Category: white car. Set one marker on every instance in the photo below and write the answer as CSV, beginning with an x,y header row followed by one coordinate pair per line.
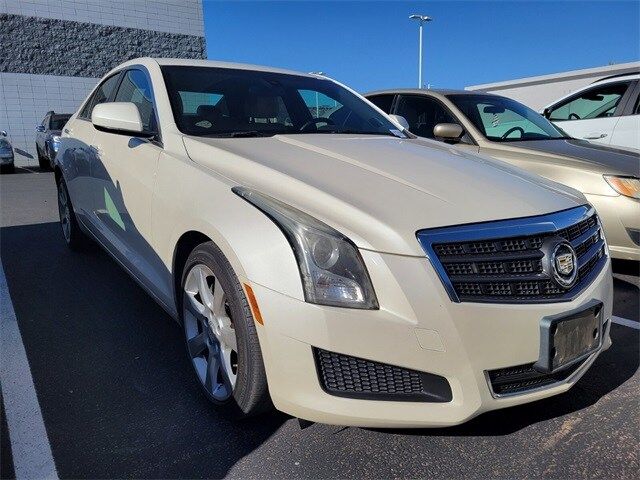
x,y
607,111
323,261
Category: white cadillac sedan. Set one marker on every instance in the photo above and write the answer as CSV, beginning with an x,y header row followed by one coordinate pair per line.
x,y
323,261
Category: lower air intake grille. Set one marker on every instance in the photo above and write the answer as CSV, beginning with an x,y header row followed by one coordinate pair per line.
x,y
347,376
523,378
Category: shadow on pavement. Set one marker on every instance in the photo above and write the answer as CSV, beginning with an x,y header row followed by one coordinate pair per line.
x,y
626,267
116,389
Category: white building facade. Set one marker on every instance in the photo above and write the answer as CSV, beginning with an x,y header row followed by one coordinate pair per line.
x,y
52,52
538,92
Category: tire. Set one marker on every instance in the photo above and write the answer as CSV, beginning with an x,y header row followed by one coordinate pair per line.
x,y
11,168
48,159
43,163
71,232
235,384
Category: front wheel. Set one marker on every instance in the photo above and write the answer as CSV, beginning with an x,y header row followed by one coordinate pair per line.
x,y
221,337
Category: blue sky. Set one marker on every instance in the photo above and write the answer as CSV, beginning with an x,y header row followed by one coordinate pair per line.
x,y
371,45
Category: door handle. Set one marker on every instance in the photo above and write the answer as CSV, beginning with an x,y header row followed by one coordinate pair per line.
x,y
594,136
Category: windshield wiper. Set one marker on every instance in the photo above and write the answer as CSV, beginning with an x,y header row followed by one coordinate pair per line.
x,y
248,133
358,132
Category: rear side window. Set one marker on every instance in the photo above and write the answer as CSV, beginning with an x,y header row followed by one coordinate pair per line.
x,y
101,95
383,102
58,121
597,102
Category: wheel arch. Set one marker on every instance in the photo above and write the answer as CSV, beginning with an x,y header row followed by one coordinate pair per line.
x,y
187,242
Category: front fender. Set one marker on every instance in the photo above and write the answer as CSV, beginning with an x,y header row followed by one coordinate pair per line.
x,y
190,198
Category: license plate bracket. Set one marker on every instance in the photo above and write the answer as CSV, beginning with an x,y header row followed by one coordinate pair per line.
x,y
570,337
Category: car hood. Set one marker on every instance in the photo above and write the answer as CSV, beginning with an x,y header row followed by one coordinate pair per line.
x,y
603,158
380,190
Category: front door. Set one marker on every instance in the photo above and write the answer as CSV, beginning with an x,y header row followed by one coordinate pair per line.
x,y
126,177
591,114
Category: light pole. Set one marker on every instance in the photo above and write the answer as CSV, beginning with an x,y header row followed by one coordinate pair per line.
x,y
421,19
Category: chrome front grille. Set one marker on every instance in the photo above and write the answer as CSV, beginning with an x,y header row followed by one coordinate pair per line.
x,y
510,261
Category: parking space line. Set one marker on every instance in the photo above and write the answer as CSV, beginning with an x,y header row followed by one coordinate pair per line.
x,y
31,451
625,322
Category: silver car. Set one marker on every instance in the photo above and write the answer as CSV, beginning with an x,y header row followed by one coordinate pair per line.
x,y
48,137
6,153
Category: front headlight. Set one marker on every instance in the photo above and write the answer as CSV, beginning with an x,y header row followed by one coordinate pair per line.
x,y
627,186
55,142
332,270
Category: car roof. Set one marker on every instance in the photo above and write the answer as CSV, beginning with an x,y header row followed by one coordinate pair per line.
x,y
210,63
621,76
434,92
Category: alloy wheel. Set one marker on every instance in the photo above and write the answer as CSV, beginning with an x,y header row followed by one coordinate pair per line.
x,y
210,333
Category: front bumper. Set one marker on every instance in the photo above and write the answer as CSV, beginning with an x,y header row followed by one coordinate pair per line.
x,y
620,217
418,328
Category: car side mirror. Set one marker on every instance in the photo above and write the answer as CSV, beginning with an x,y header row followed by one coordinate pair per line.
x,y
119,117
448,132
546,113
3,133
40,128
400,120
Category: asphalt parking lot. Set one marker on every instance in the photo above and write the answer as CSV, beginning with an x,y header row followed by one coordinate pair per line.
x,y
118,399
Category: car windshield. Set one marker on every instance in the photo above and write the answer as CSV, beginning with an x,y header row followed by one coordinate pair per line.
x,y
209,101
501,119
58,121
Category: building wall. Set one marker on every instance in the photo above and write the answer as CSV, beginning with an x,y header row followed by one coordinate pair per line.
x,y
539,96
26,99
58,49
538,92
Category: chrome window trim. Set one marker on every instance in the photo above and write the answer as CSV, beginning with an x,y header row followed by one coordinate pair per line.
x,y
511,228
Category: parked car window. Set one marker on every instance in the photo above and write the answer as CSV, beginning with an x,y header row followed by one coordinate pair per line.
x,y
422,114
319,104
135,88
383,102
101,95
597,102
501,119
45,120
56,122
208,101
192,100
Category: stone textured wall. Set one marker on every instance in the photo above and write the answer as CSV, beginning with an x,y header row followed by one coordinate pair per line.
x,y
48,46
173,16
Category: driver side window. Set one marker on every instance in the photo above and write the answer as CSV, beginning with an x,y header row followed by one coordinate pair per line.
x,y
597,102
